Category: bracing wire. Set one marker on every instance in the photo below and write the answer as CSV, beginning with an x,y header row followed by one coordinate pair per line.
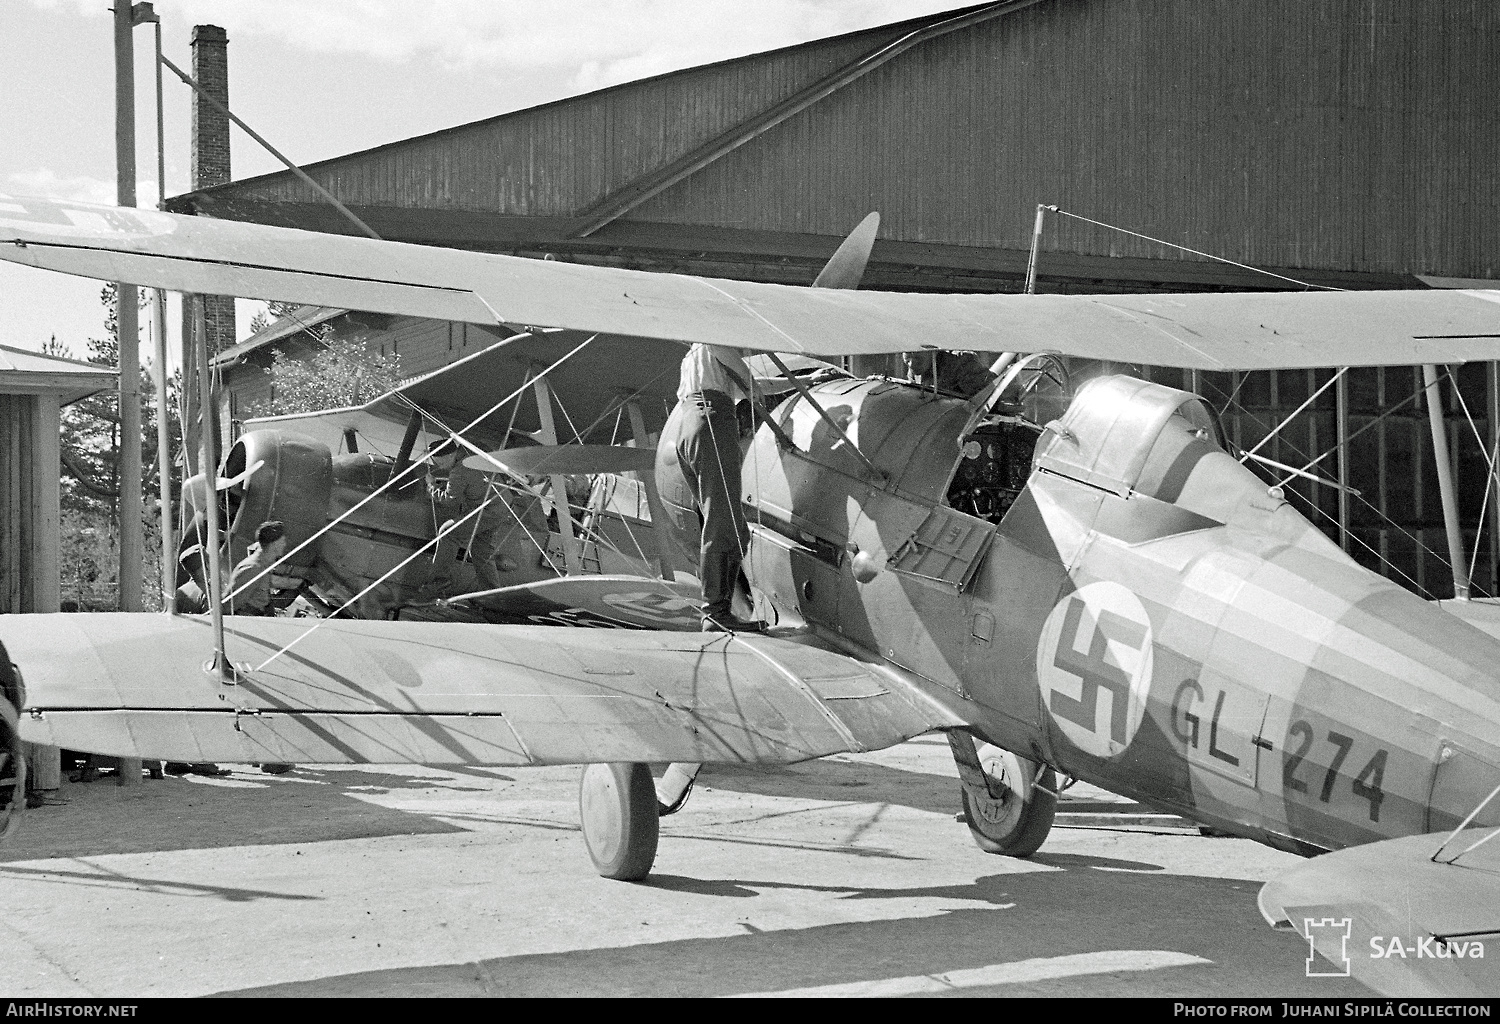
x,y
1195,252
383,487
441,533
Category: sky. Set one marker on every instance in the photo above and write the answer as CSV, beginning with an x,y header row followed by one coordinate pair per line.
x,y
321,78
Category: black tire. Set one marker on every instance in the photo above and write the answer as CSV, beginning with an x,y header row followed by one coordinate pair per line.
x,y
1016,824
617,806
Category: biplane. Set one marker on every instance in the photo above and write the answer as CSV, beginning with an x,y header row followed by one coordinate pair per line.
x,y
1079,583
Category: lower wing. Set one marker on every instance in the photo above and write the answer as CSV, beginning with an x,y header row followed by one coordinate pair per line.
x,y
138,685
1393,917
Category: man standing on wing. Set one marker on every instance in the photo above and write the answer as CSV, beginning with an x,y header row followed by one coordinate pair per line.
x,y
698,475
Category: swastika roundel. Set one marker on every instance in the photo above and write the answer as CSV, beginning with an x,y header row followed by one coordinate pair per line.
x,y
1093,663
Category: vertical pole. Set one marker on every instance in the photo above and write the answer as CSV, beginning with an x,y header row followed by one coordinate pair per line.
x,y
1494,480
1445,483
1341,416
161,142
572,558
1036,245
163,420
164,453
1314,488
656,546
211,505
1382,496
131,534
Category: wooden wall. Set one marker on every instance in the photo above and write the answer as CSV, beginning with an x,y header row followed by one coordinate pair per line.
x,y
29,500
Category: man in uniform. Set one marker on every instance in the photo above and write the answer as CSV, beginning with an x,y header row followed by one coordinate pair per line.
x,y
958,373
457,491
698,476
254,572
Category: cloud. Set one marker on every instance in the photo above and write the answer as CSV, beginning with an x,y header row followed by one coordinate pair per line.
x,y
606,41
80,188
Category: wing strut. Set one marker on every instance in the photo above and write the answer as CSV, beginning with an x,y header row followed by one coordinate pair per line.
x,y
572,557
659,556
220,665
1457,561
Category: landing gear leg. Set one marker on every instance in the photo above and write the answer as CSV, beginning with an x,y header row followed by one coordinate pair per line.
x,y
674,786
1009,802
617,806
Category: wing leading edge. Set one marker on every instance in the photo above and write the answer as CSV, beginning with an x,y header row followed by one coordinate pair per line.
x,y
440,693
1203,331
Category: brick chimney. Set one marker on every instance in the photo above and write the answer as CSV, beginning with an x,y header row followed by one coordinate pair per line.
x,y
210,157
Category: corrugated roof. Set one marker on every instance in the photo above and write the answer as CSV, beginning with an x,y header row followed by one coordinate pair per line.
x,y
23,372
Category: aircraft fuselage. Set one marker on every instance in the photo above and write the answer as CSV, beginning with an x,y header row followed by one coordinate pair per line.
x,y
1146,615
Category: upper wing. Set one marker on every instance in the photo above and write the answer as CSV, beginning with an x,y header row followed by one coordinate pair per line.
x,y
1240,331
442,693
1353,904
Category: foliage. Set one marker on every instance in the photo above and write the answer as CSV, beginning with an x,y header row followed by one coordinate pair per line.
x,y
344,372
90,435
91,429
274,311
89,563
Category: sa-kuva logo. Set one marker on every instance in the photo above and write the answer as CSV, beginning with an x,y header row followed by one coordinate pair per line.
x,y
1093,662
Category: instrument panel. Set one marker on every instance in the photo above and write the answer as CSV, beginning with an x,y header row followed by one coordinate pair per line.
x,y
993,467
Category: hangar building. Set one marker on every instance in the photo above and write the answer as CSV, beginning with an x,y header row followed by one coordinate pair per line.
x,y
1337,143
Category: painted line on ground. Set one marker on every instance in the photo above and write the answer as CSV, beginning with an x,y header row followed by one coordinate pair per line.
x,y
1012,973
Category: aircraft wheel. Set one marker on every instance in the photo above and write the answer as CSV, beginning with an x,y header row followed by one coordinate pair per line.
x,y
1017,822
617,805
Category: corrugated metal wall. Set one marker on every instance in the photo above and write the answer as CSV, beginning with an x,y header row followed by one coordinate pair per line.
x,y
557,159
1353,135
1344,134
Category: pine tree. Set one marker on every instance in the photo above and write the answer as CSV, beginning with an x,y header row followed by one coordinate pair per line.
x,y
90,483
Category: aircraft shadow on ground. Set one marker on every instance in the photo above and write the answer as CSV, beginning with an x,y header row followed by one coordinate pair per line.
x,y
838,781
163,815
1032,915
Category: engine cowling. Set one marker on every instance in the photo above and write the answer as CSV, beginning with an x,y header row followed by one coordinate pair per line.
x,y
290,479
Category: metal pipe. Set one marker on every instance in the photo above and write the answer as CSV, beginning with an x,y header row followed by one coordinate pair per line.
x,y
299,172
1036,244
1446,490
1494,480
1341,419
1295,412
211,510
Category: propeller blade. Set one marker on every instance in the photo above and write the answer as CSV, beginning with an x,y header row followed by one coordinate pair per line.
x,y
847,266
240,478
